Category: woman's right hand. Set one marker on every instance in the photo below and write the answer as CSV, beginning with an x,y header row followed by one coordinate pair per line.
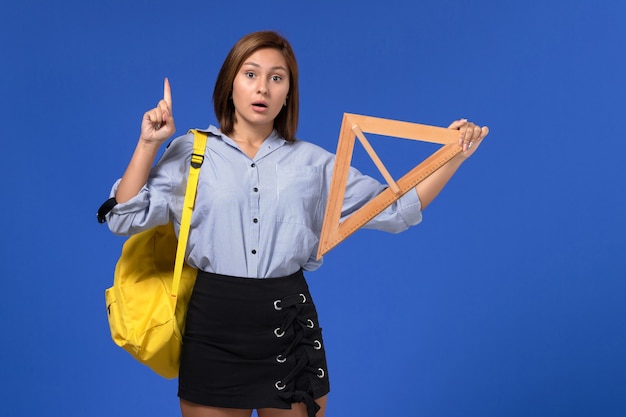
x,y
157,124
156,127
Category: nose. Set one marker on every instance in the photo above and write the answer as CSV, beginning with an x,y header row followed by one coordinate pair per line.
x,y
262,87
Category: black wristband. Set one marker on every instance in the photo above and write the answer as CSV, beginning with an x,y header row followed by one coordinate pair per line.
x,y
105,208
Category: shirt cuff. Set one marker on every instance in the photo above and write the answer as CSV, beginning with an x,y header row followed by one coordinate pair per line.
x,y
410,208
129,217
137,203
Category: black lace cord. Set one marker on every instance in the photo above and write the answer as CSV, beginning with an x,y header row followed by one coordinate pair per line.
x,y
296,395
302,397
294,319
299,338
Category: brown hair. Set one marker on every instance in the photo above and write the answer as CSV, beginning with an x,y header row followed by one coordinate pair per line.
x,y
286,123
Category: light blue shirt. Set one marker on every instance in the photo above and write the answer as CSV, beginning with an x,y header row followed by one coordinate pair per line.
x,y
255,218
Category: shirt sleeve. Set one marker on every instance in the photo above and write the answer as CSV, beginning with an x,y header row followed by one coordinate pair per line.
x,y
399,216
162,195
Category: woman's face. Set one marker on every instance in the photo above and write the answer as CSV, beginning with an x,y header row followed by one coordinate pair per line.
x,y
260,89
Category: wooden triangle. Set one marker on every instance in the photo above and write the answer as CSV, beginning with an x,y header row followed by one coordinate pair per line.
x,y
354,126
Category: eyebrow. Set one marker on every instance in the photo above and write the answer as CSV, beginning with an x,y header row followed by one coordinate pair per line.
x,y
254,64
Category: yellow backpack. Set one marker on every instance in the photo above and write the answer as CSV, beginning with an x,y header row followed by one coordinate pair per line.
x,y
147,303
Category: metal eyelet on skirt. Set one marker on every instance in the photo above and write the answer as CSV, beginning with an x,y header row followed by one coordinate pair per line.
x,y
277,306
320,373
280,386
303,298
317,345
281,359
310,324
278,332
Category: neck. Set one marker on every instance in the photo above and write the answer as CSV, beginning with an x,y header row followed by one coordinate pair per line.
x,y
250,135
250,140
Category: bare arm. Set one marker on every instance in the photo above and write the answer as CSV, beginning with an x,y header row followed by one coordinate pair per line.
x,y
157,126
470,138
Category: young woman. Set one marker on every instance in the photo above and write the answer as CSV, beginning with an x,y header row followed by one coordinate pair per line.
x,y
252,339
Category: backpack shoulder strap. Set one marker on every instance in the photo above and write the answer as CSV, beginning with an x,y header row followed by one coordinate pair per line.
x,y
197,158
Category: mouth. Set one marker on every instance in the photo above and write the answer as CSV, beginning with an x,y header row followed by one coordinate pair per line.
x,y
259,105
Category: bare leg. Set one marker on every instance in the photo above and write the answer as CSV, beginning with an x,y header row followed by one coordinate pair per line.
x,y
297,410
196,410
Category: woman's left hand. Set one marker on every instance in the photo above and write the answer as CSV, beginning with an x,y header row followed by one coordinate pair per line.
x,y
470,137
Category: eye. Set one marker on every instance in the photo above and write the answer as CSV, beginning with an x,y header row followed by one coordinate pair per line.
x,y
277,78
249,74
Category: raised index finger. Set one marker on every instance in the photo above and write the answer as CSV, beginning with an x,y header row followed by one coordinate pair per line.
x,y
167,93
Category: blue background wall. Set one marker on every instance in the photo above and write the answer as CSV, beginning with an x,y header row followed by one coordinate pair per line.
x,y
508,300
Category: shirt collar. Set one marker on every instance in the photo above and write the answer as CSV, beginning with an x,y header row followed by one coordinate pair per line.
x,y
271,143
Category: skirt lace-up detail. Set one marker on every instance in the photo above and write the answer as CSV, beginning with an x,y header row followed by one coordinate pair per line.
x,y
304,350
252,343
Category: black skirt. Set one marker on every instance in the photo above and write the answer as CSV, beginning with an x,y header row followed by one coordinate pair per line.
x,y
252,343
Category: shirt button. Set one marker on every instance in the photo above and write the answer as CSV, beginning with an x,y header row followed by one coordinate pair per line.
x,y
254,251
255,220
252,165
255,189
